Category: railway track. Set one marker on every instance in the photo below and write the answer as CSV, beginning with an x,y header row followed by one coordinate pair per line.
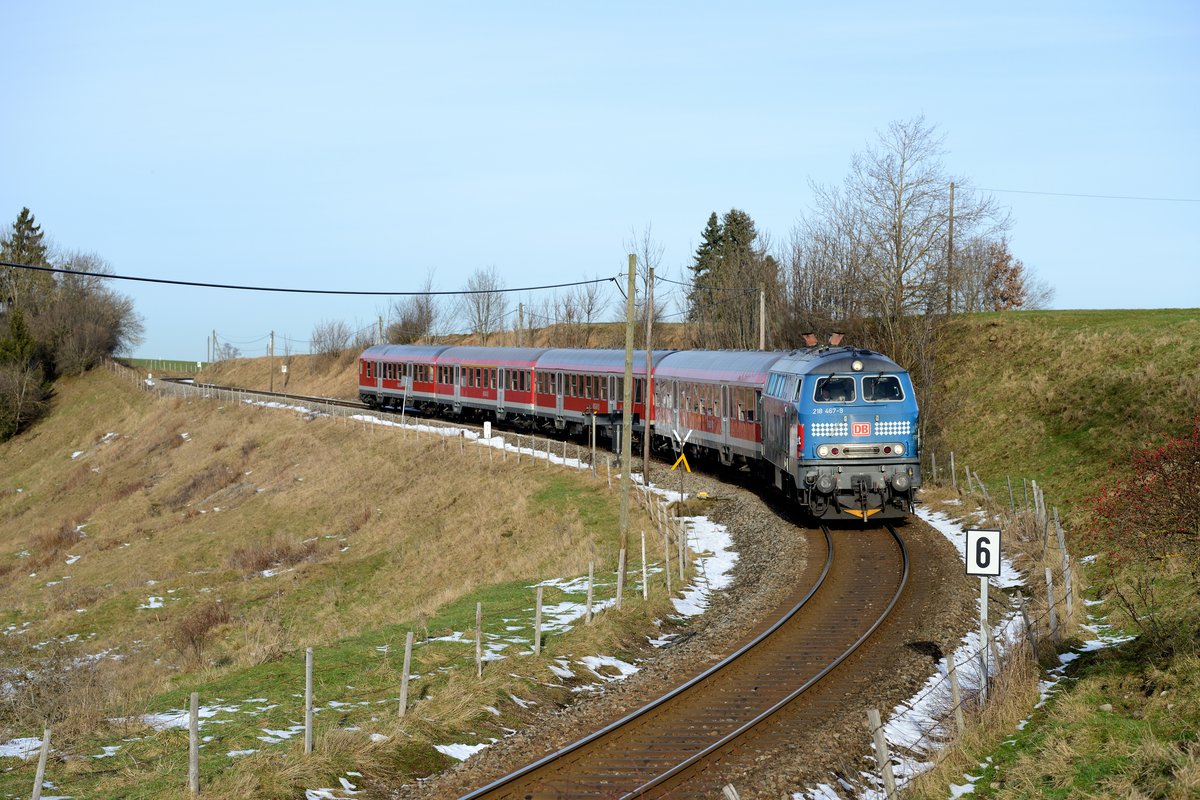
x,y
784,682
680,744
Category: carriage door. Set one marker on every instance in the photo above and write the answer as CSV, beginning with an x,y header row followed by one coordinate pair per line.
x,y
559,388
457,386
725,415
501,376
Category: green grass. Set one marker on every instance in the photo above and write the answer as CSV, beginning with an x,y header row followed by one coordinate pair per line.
x,y
168,365
1062,397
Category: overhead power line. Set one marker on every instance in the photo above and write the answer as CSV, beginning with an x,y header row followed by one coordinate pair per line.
x,y
205,285
1095,196
702,288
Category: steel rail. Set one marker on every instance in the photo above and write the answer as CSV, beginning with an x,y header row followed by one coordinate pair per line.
x,y
708,673
700,756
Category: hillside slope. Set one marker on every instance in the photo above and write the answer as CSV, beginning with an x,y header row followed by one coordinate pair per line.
x,y
1060,395
152,547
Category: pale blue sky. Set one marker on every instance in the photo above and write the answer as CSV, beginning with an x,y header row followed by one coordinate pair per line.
x,y
359,145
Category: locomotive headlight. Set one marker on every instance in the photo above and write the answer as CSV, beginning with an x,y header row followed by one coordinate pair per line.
x,y
856,365
823,451
899,449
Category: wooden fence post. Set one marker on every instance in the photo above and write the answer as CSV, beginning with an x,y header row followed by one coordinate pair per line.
x,y
953,472
956,696
193,743
682,537
933,457
645,571
40,775
1050,604
591,580
308,709
1012,503
537,624
729,792
667,560
479,640
408,643
620,576
1029,631
881,753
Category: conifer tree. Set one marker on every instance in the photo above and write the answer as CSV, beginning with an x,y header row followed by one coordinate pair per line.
x,y
23,245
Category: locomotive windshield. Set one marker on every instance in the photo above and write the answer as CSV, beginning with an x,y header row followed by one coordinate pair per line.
x,y
882,388
834,390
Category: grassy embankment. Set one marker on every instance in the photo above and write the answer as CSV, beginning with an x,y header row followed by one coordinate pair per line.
x,y
1059,397
203,546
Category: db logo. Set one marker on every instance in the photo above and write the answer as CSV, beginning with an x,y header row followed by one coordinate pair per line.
x,y
860,429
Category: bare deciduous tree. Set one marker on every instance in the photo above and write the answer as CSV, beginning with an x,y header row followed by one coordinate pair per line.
x,y
484,304
414,317
330,338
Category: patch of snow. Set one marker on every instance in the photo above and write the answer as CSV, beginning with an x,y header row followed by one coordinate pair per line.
x,y
71,559
520,702
153,602
236,753
24,749
76,454
593,663
379,737
460,751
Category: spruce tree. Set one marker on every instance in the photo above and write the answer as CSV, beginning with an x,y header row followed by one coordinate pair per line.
x,y
704,266
24,245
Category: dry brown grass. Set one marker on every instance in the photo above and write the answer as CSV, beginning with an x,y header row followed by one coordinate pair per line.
x,y
371,528
1012,695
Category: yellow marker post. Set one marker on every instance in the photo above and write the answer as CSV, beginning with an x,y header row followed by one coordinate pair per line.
x,y
682,458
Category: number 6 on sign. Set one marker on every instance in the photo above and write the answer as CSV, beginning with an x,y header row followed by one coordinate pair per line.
x,y
983,552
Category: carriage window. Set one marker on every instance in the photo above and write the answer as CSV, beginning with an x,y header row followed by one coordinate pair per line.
x,y
834,390
882,388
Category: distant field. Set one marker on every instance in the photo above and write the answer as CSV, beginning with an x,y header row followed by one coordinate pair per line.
x,y
165,365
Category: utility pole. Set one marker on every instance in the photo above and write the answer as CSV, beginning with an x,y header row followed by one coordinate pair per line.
x,y
215,350
950,258
647,387
762,318
627,401
208,348
520,324
380,329
271,352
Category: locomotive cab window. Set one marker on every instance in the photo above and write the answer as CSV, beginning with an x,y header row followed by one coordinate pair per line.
x,y
834,390
882,388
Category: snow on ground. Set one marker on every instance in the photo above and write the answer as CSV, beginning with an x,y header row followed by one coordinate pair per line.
x,y
26,748
460,751
594,663
915,730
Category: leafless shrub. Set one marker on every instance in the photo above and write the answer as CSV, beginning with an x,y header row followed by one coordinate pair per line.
x,y
279,551
209,480
48,546
50,686
191,634
77,597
